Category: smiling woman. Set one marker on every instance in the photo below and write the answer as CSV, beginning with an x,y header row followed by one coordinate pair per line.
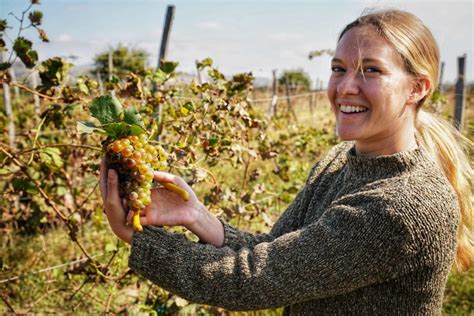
x,y
379,223
372,96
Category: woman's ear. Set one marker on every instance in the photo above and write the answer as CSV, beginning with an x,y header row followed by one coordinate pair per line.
x,y
420,88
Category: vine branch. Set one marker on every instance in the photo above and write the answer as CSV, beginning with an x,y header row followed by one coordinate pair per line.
x,y
49,201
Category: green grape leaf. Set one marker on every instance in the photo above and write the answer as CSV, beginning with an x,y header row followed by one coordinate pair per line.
x,y
88,128
136,130
3,25
131,116
34,174
53,71
168,66
51,157
24,185
5,171
5,66
159,76
206,62
106,109
213,141
22,47
117,130
35,17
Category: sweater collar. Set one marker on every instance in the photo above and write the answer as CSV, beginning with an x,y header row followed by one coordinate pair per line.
x,y
383,166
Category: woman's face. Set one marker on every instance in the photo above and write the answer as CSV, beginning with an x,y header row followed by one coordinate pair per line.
x,y
369,91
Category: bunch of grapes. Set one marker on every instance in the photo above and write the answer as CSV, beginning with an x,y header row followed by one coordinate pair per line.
x,y
135,159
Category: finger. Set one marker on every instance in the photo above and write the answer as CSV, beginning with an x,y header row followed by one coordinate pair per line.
x,y
144,220
178,190
113,198
103,180
164,177
130,217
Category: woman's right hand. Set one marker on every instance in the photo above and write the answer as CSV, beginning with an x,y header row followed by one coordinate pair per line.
x,y
167,208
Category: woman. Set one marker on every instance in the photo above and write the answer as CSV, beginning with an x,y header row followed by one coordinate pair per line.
x,y
379,222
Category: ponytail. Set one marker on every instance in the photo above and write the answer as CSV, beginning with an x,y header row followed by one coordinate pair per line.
x,y
450,150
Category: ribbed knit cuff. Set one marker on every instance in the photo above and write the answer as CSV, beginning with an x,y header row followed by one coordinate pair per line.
x,y
231,235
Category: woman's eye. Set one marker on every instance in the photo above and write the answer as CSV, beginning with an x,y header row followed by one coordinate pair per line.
x,y
371,70
337,69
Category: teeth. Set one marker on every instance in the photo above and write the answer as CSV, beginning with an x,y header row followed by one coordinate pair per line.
x,y
352,108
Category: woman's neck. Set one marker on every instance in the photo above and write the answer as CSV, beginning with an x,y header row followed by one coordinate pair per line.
x,y
386,147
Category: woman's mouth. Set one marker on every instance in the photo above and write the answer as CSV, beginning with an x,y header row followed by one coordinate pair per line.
x,y
351,109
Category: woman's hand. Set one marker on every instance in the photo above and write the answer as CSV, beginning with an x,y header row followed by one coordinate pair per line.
x,y
167,208
113,205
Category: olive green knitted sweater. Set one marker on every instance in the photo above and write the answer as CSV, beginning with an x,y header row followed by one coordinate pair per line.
x,y
365,236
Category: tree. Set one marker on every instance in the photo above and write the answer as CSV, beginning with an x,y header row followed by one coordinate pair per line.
x,y
125,60
297,78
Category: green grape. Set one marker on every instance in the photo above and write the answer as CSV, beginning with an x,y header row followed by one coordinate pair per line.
x,y
133,196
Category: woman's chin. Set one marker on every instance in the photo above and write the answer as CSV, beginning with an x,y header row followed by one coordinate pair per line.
x,y
346,135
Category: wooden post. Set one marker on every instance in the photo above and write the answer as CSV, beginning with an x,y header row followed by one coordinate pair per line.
x,y
273,103
162,56
440,81
101,83
166,31
460,91
289,108
287,93
111,64
311,99
198,72
8,110
13,77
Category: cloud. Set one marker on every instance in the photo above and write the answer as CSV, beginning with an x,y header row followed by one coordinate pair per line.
x,y
285,36
209,25
64,38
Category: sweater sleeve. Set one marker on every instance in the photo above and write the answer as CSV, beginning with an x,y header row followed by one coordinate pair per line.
x,y
351,246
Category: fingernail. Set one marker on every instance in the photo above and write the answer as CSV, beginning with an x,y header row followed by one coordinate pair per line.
x,y
111,175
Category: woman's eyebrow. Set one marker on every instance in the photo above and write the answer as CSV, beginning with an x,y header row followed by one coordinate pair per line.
x,y
364,60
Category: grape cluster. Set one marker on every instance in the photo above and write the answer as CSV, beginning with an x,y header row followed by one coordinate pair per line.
x,y
134,159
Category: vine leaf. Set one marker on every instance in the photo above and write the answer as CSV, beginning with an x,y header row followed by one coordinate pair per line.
x,y
118,130
51,157
88,128
132,117
22,48
106,109
35,17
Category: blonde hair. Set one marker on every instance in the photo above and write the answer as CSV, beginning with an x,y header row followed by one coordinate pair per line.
x,y
419,51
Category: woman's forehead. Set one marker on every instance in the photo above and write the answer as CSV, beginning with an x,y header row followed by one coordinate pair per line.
x,y
364,43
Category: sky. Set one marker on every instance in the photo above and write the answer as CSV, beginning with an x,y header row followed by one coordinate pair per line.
x,y
240,36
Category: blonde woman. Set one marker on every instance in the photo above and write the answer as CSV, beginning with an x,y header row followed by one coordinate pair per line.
x,y
377,227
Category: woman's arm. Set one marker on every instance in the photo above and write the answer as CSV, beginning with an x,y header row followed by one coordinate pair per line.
x,y
349,247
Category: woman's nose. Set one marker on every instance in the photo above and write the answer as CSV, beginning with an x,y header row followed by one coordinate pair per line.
x,y
348,85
